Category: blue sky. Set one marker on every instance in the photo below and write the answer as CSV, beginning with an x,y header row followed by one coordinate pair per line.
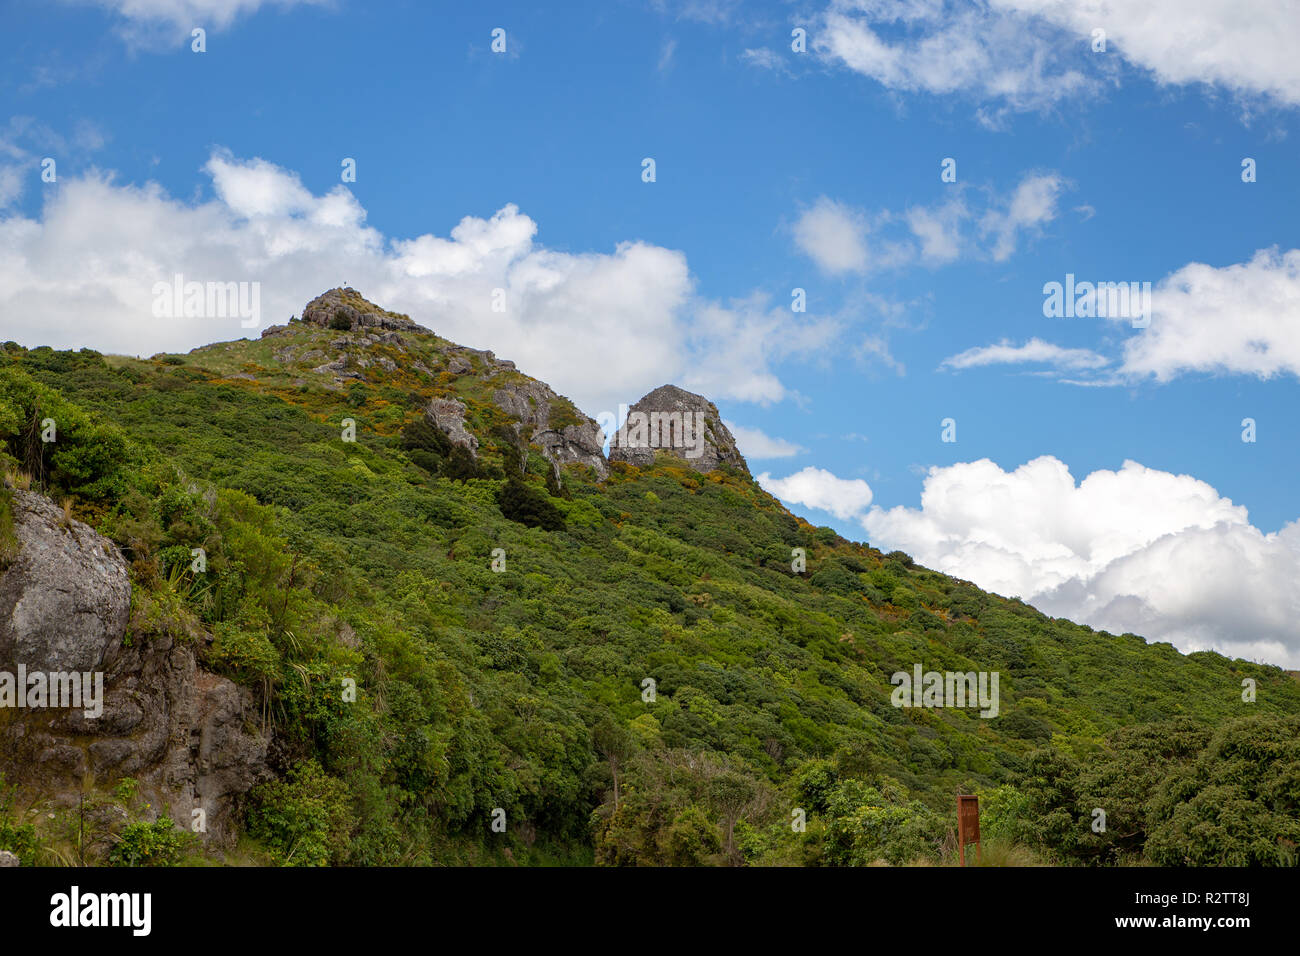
x,y
775,170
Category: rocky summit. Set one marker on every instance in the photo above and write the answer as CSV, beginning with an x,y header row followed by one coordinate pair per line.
x,y
680,424
369,342
347,310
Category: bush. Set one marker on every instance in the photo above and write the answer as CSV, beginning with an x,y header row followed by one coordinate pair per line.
x,y
522,503
8,539
692,839
150,844
305,820
340,322
17,838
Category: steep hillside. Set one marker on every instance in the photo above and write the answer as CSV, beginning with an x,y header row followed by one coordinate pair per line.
x,y
446,610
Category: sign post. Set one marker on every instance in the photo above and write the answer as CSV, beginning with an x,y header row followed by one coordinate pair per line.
x,y
968,826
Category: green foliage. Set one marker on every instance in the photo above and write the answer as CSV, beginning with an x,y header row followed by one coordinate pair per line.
x,y
8,539
523,503
305,819
16,836
692,838
522,690
57,444
150,844
1175,793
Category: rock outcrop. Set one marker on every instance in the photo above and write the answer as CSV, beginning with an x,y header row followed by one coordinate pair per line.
x,y
180,731
673,421
448,415
338,306
65,598
564,435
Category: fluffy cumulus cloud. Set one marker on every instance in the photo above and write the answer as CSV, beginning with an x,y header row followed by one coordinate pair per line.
x,y
842,239
83,274
1032,54
1161,555
845,498
1242,318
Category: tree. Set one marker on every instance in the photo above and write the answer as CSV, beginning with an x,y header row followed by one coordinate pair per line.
x,y
616,744
520,502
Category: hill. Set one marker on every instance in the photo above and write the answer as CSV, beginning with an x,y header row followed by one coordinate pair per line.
x,y
395,605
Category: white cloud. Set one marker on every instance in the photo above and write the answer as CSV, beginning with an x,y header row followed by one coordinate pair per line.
x,y
938,229
1031,206
25,142
11,184
842,239
1237,319
666,55
1033,54
82,274
756,445
874,348
1242,318
766,59
1033,351
933,47
731,350
1247,46
833,236
1141,550
844,498
159,22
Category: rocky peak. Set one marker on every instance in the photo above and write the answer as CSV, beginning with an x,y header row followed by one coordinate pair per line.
x,y
680,423
347,310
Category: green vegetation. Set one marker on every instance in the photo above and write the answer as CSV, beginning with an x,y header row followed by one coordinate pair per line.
x,y
112,827
158,843
526,691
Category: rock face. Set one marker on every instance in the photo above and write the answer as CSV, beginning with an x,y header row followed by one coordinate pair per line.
x,y
542,421
680,423
65,599
180,731
448,415
331,309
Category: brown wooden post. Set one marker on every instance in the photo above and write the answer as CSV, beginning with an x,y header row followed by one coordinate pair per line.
x,y
968,826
